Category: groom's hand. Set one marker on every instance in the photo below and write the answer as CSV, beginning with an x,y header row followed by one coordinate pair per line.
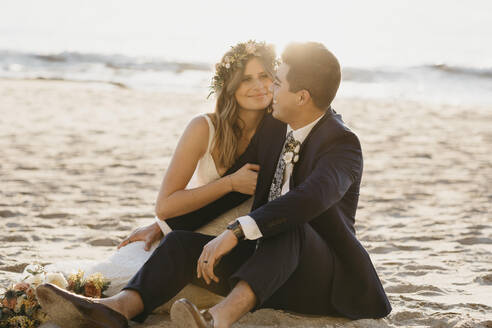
x,y
149,234
212,252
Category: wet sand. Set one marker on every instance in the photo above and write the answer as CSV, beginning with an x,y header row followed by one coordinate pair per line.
x,y
81,165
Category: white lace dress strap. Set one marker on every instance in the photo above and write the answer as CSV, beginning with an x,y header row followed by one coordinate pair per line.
x,y
205,171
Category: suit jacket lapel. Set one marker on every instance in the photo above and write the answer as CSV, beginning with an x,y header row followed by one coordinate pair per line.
x,y
250,154
269,159
327,116
275,149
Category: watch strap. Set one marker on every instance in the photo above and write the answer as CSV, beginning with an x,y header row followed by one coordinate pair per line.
x,y
236,228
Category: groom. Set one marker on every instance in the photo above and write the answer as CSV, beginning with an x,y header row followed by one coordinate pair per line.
x,y
295,251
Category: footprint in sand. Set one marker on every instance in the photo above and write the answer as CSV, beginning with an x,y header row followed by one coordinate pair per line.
x,y
104,242
122,227
28,168
412,273
406,315
410,288
53,216
8,214
382,249
99,226
17,268
424,267
14,238
474,240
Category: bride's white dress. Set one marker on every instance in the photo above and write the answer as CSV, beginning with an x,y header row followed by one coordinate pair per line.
x,y
125,262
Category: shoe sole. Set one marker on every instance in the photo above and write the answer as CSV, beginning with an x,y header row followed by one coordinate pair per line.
x,y
62,312
182,314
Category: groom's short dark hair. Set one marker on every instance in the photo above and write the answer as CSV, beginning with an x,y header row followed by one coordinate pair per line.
x,y
313,68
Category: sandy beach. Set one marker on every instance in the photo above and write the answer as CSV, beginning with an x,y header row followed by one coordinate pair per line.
x,y
81,165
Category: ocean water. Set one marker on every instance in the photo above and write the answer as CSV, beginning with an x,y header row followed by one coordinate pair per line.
x,y
436,51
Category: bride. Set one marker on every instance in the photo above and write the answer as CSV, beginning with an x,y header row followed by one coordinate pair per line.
x,y
209,146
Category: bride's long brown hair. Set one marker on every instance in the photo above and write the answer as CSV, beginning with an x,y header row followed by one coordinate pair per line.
x,y
228,125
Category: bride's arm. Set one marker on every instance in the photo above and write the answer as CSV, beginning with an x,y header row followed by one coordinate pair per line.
x,y
194,219
173,199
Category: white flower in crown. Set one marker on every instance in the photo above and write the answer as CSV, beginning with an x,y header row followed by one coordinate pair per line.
x,y
250,48
57,279
297,149
227,65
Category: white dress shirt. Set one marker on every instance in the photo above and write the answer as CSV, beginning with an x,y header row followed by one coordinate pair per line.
x,y
248,224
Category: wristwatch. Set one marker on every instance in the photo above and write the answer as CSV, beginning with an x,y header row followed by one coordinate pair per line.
x,y
236,229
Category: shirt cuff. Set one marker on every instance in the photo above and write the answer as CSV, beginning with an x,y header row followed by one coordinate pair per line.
x,y
250,228
165,228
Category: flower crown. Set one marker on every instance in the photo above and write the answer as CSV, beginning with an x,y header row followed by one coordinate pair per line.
x,y
237,58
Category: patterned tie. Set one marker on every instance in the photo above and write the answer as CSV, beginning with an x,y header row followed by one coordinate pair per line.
x,y
290,154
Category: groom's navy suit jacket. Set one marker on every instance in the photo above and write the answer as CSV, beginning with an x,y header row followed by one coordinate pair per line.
x,y
324,192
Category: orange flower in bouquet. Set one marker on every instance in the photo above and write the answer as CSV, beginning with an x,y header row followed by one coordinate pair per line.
x,y
93,286
10,299
91,290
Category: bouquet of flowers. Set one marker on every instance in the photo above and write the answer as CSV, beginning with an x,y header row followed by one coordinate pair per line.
x,y
93,286
19,307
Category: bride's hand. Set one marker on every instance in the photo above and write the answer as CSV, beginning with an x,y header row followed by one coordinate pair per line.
x,y
149,234
244,179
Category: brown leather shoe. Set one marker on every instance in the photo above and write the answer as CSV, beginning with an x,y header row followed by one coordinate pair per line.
x,y
186,315
70,310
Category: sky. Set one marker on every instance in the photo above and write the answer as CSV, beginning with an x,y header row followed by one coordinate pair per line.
x,y
380,32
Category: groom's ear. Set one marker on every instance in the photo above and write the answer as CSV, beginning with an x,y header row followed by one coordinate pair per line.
x,y
303,97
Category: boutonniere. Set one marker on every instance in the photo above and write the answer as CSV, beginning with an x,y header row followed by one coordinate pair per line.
x,y
292,154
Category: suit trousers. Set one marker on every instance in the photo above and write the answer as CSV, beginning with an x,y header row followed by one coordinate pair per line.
x,y
292,271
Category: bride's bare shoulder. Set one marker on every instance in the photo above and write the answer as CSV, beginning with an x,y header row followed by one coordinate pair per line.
x,y
199,125
201,122
197,133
